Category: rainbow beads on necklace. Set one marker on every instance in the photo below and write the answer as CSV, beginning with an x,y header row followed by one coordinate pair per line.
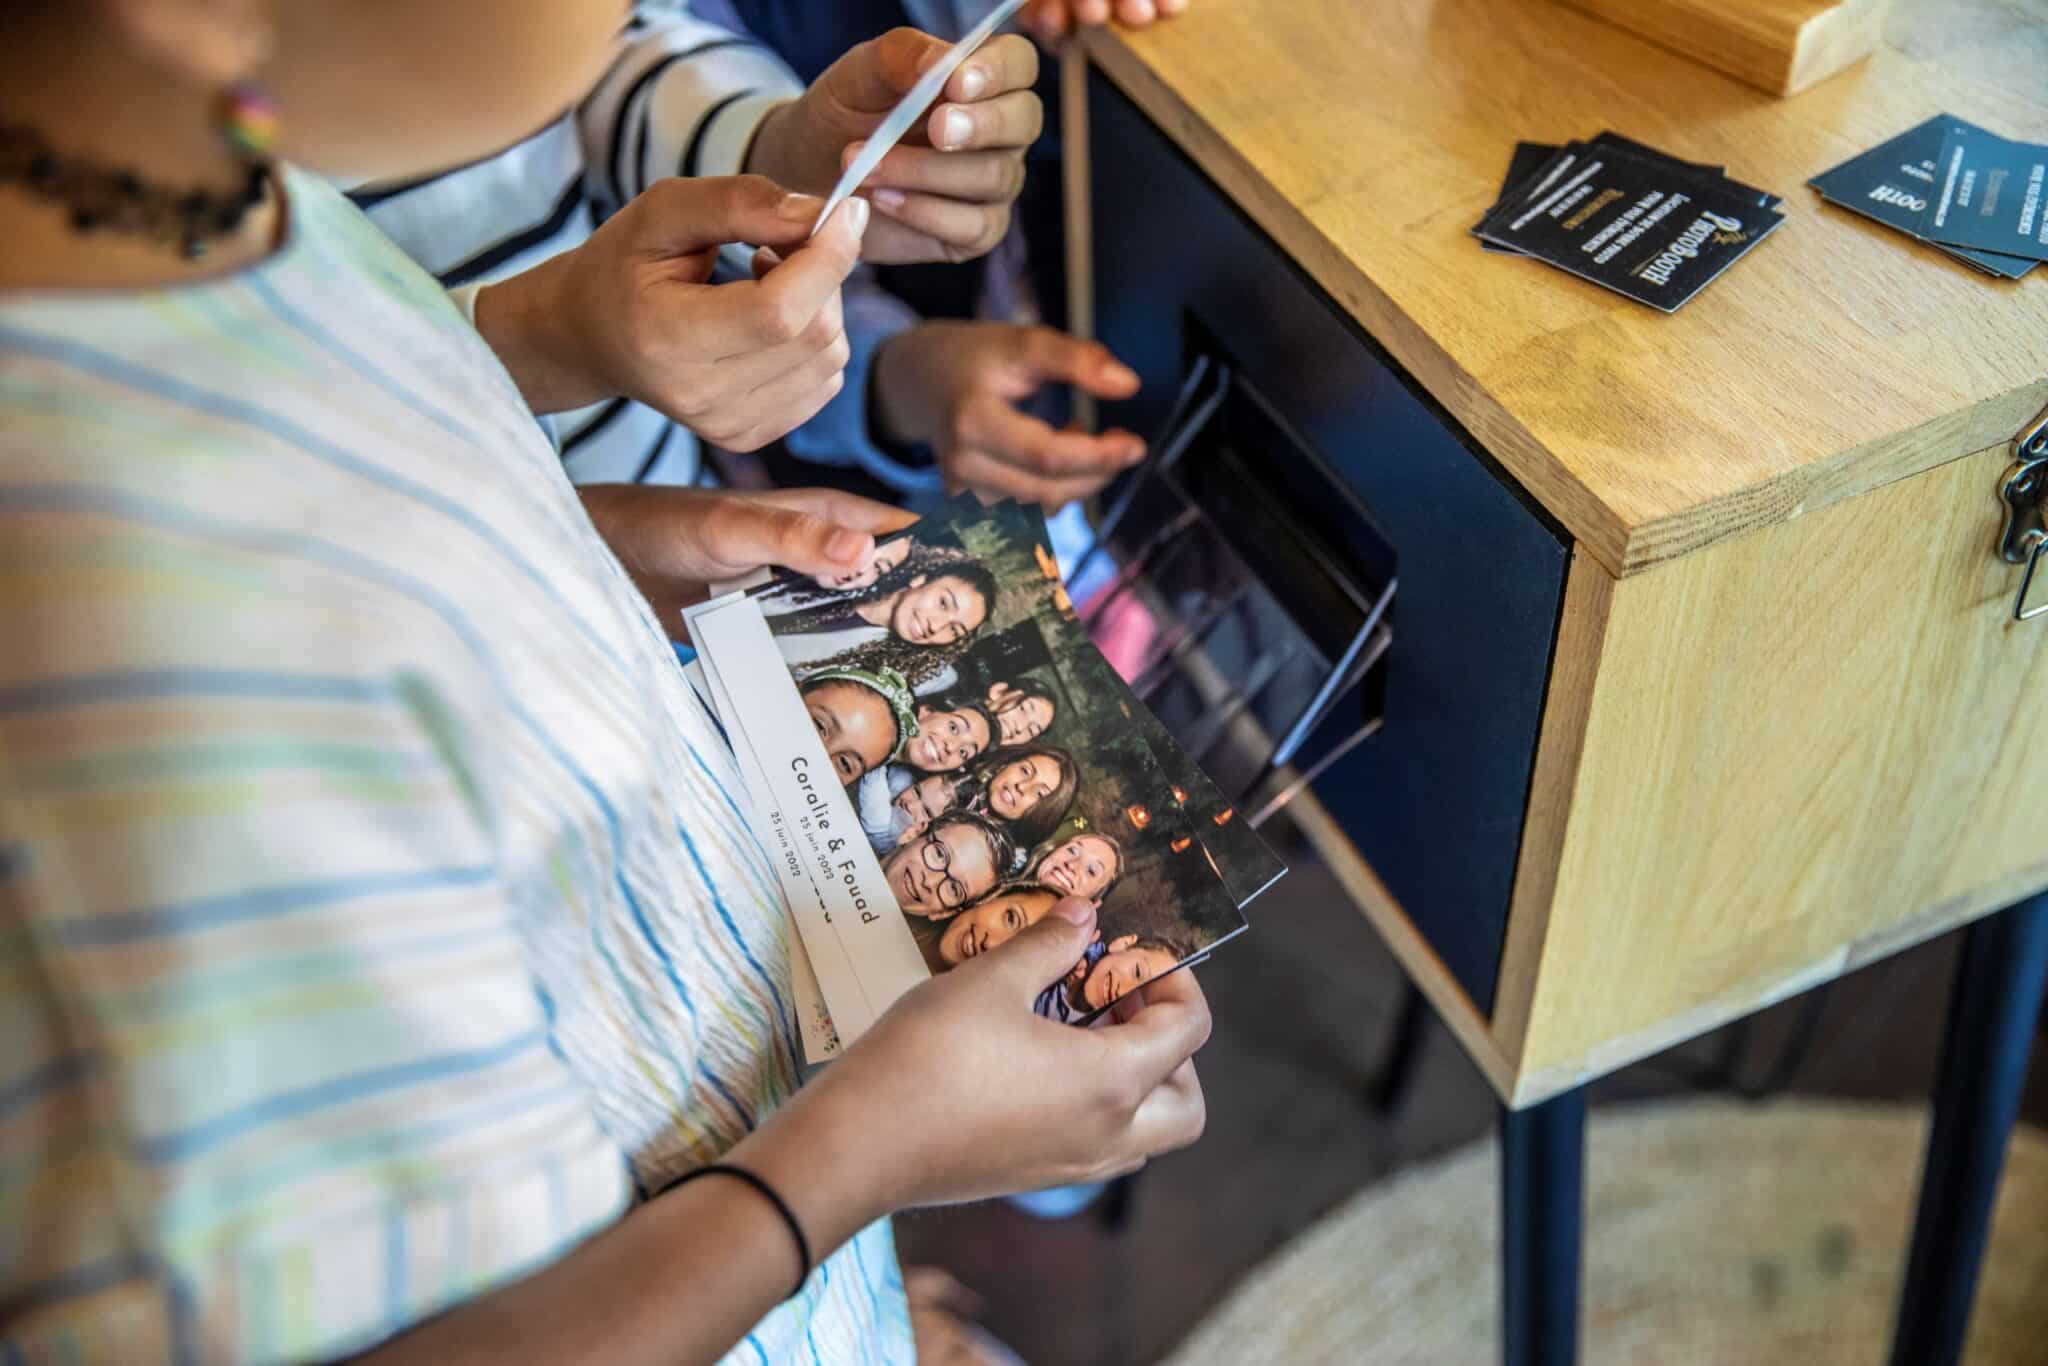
x,y
248,120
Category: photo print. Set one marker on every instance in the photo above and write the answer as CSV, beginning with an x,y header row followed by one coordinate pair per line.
x,y
987,756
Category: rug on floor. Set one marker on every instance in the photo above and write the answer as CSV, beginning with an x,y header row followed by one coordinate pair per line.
x,y
1717,1232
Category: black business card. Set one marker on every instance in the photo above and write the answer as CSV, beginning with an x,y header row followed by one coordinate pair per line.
x,y
1650,228
1894,183
1905,163
1987,262
1703,170
1517,190
1529,157
1536,183
1990,194
1573,155
1615,142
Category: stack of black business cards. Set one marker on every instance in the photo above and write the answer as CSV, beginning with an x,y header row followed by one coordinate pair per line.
x,y
1627,217
1966,192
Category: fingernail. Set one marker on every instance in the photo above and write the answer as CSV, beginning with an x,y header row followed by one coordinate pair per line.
x,y
857,215
847,545
850,154
955,128
973,81
891,200
1120,373
799,208
1134,452
1075,911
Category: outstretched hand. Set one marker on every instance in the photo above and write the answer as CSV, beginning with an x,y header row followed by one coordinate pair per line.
x,y
676,542
956,386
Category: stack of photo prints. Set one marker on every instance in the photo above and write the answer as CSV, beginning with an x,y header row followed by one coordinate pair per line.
x,y
935,754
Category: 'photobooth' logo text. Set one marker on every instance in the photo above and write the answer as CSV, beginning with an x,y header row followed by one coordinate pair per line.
x,y
1687,246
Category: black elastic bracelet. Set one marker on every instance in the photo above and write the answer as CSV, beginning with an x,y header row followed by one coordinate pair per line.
x,y
796,1230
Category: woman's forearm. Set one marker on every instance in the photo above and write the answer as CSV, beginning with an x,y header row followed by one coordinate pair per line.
x,y
683,1278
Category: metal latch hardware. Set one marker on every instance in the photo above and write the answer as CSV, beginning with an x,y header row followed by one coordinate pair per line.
x,y
2022,488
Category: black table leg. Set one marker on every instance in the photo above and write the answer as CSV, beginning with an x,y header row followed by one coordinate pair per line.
x,y
1543,1215
1397,1066
1992,1009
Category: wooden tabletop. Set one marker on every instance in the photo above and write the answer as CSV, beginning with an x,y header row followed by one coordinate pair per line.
x,y
1367,136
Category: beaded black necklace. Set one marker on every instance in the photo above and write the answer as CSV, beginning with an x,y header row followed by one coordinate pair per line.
x,y
121,201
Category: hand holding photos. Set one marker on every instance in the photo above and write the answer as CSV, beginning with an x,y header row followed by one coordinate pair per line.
x,y
982,1097
969,761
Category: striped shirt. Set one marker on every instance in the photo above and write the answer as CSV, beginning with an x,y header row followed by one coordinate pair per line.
x,y
375,914
680,97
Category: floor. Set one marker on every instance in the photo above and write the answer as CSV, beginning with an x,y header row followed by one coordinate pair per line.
x,y
1303,1005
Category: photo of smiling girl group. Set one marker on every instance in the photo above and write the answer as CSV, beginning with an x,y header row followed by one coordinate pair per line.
x,y
993,761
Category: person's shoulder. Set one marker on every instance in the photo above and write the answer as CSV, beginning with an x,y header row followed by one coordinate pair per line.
x,y
338,246
106,581
148,531
335,290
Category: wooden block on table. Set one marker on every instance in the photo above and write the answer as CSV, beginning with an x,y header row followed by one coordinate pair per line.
x,y
1782,46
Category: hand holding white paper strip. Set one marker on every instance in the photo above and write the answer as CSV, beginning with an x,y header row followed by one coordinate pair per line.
x,y
911,107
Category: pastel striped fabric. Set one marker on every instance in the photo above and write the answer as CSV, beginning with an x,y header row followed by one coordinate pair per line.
x,y
375,916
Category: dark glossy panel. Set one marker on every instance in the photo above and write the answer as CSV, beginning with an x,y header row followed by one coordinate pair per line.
x,y
1436,800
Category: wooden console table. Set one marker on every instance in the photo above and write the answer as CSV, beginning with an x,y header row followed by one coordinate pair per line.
x,y
1741,702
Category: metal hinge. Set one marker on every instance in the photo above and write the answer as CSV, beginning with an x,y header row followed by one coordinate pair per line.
x,y
2021,489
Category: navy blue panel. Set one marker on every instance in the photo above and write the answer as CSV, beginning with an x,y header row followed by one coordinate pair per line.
x,y
1435,801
